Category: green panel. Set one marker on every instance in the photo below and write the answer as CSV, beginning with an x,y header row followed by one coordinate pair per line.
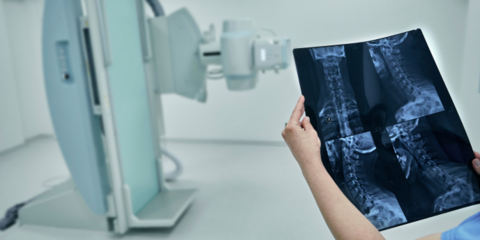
x,y
130,102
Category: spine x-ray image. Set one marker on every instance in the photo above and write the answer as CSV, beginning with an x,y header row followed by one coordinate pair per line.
x,y
392,139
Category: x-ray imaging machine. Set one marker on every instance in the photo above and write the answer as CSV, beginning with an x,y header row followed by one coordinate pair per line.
x,y
105,66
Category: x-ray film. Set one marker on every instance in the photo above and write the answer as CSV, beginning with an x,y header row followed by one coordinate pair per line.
x,y
391,137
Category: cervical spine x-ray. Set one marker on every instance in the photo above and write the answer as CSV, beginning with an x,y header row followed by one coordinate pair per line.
x,y
392,138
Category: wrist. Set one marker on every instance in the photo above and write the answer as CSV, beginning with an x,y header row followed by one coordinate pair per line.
x,y
314,166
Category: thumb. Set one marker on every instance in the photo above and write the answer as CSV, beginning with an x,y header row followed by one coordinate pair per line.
x,y
476,165
307,125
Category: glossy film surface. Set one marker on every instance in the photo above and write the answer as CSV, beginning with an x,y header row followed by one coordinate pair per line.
x,y
391,137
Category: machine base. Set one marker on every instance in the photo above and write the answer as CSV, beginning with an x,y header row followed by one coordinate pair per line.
x,y
163,210
63,207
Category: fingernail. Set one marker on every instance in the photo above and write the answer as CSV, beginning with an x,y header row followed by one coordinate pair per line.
x,y
307,118
476,161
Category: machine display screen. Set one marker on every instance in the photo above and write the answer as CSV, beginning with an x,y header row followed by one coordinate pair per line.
x,y
391,137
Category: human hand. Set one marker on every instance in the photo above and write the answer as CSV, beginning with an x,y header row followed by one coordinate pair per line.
x,y
301,137
476,162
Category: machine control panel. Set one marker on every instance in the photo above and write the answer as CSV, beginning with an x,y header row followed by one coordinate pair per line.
x,y
63,62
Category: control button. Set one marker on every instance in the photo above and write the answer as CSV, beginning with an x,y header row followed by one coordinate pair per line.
x,y
66,76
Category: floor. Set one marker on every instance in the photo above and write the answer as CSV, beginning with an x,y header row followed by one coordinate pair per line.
x,y
246,191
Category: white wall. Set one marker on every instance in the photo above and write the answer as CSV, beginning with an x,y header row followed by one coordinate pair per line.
x,y
260,114
11,132
24,23
469,90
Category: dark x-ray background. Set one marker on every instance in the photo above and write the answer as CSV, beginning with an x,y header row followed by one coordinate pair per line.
x,y
391,137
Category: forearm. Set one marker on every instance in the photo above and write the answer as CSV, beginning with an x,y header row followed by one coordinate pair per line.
x,y
343,218
436,236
